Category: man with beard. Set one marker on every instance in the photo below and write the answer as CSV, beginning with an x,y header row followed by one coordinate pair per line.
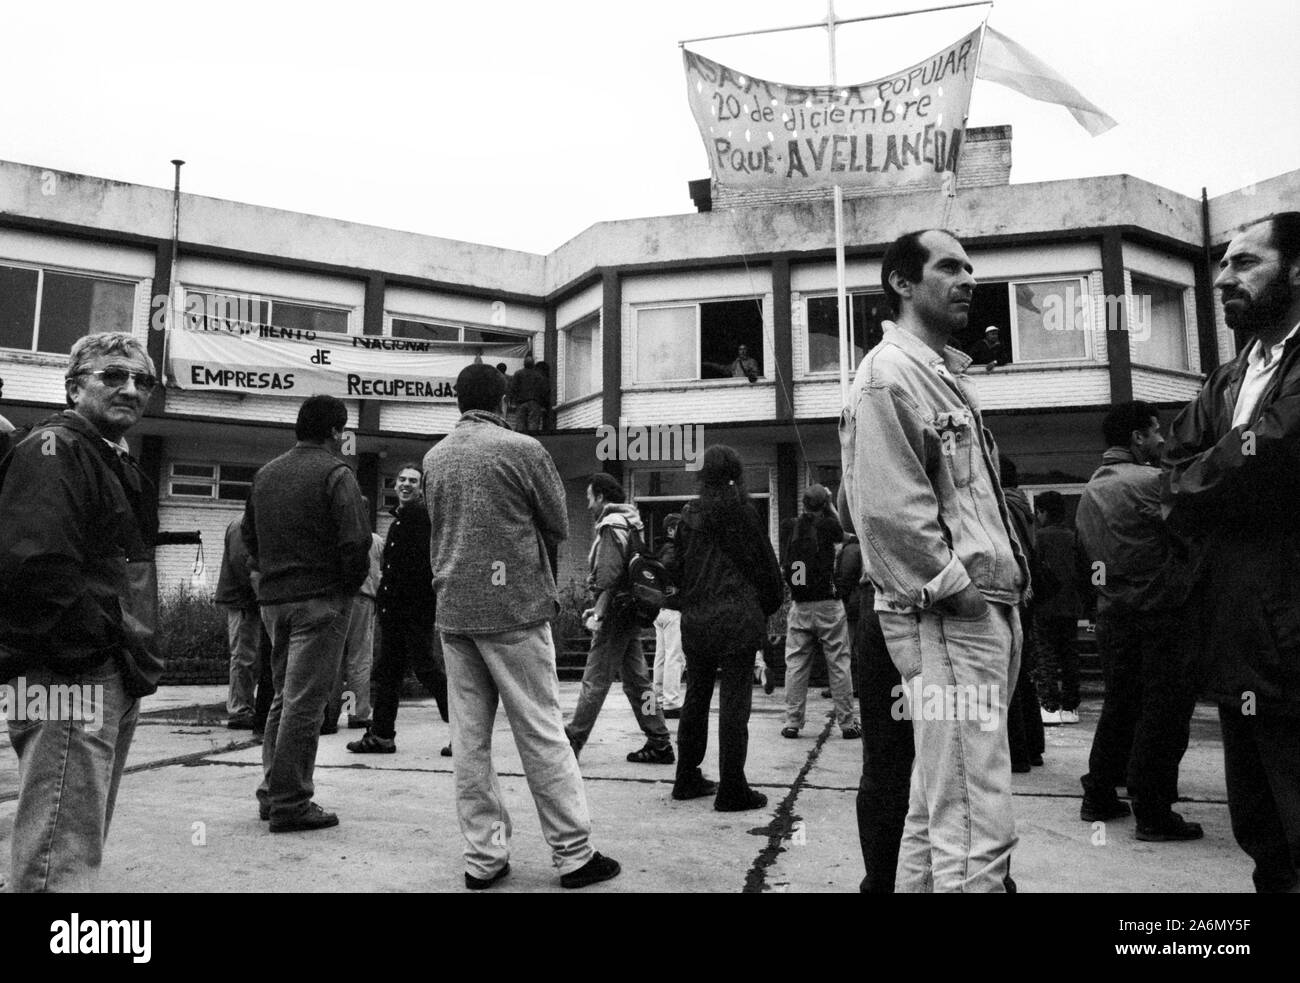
x,y
1232,480
921,479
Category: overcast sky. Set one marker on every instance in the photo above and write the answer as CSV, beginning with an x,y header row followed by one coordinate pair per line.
x,y
522,123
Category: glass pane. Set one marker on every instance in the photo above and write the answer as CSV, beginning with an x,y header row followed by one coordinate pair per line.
x,y
192,491
579,350
300,317
1051,320
194,470
238,472
75,306
233,493
665,344
869,313
1157,324
238,313
423,331
17,307
493,337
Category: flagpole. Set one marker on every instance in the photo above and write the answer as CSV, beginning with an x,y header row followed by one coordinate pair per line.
x,y
841,289
173,285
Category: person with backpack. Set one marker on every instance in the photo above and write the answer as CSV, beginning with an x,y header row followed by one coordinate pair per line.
x,y
616,631
808,548
729,583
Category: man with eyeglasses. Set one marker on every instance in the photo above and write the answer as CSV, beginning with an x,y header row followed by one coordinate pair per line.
x,y
78,610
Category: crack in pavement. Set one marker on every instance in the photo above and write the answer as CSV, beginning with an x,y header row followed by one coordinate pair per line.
x,y
783,820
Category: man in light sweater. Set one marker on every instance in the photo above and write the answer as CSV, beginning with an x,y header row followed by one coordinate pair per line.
x,y
307,533
496,503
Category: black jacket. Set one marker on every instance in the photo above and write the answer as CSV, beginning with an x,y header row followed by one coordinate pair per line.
x,y
817,581
728,581
406,588
1234,491
77,580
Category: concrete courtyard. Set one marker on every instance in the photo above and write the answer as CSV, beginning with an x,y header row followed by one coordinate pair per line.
x,y
187,818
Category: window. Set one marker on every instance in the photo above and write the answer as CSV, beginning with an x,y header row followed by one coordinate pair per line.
x,y
1157,324
405,327
388,493
47,311
582,353
211,311
710,340
1048,320
867,312
657,494
212,482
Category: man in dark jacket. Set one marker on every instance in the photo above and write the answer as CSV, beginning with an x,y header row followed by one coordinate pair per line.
x,y
1143,632
530,392
250,646
1025,737
307,533
78,607
1232,481
407,611
1056,612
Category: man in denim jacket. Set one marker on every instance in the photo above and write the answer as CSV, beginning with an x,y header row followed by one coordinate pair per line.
x,y
922,483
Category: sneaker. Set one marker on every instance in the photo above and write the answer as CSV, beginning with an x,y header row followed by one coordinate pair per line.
x,y
755,800
482,883
311,818
653,755
790,732
240,721
1036,760
446,752
1051,718
372,743
695,787
1069,716
598,868
853,733
1172,827
1103,810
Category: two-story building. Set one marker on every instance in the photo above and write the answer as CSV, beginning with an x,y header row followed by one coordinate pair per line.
x,y
1100,288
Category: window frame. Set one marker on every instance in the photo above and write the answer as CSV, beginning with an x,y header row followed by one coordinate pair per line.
x,y
461,327
596,371
1083,281
41,269
214,482
270,300
1130,301
806,298
698,305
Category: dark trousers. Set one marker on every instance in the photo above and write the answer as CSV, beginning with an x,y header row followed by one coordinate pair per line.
x,y
1146,716
735,700
405,641
887,751
1261,762
1057,676
1024,720
265,685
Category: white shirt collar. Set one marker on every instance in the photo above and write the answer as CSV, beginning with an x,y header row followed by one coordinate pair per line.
x,y
1259,359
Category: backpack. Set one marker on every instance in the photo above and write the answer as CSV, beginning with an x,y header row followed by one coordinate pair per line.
x,y
647,582
801,561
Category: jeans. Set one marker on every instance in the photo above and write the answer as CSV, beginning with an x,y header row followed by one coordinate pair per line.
x,y
405,640
959,832
528,416
1057,672
518,668
306,649
244,634
702,668
887,753
617,642
1146,716
670,660
68,775
824,620
1261,762
358,651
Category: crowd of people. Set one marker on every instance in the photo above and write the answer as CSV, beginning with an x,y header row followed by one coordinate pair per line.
x,y
938,598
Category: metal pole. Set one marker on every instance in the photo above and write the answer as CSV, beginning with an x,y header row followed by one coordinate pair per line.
x,y
841,289
174,301
848,20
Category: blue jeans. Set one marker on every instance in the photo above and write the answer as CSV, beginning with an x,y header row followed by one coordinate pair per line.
x,y
957,677
825,620
244,634
306,649
518,667
68,774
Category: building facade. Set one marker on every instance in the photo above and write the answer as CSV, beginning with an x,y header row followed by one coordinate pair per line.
x,y
1100,288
